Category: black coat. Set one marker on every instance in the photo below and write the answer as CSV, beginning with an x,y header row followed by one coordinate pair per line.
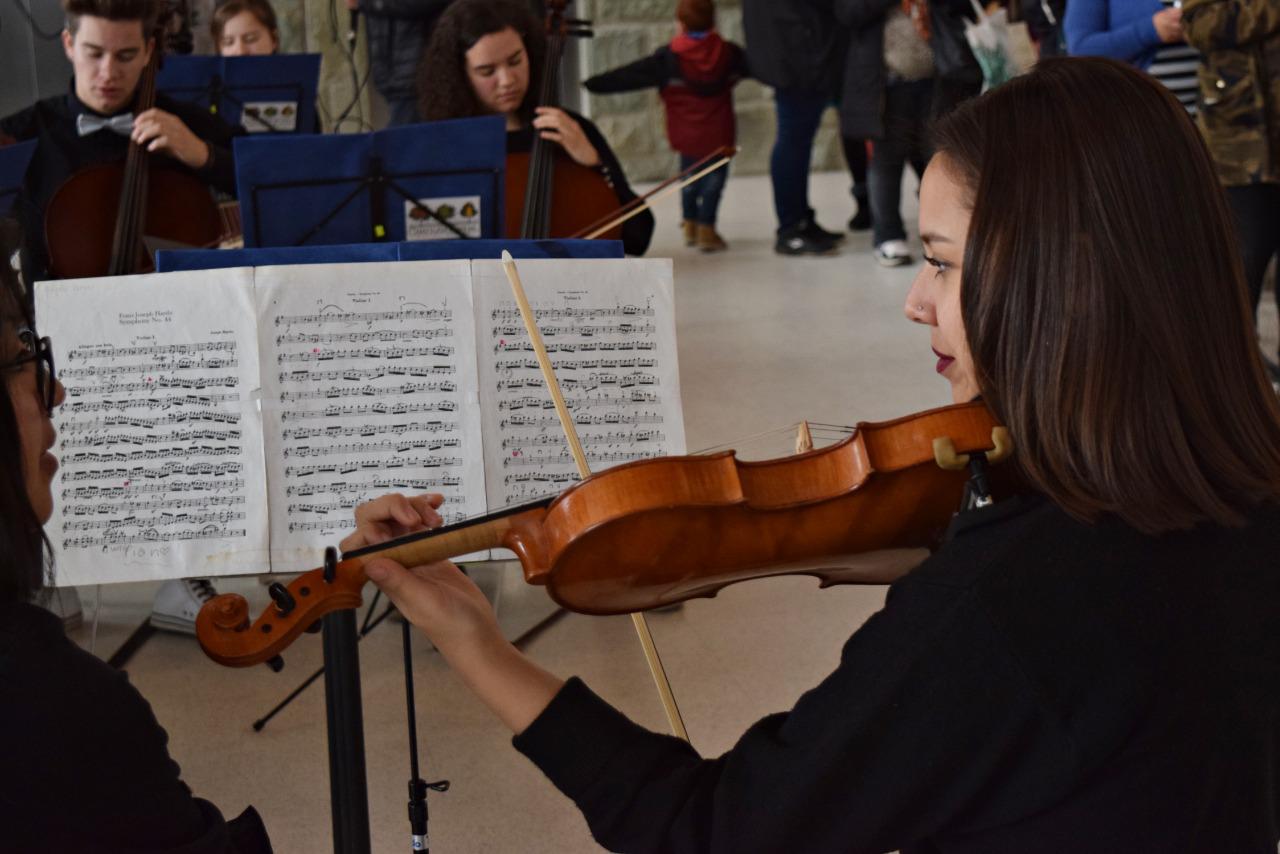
x,y
1038,685
863,81
397,32
862,85
794,44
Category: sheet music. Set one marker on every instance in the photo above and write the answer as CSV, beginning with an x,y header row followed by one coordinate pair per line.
x,y
369,387
159,440
609,328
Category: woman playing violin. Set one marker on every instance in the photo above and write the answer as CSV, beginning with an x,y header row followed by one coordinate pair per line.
x,y
485,57
1091,665
87,767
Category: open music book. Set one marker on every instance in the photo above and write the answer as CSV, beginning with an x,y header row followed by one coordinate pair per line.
x,y
227,421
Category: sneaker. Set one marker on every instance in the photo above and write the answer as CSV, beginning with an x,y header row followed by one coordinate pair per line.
x,y
63,603
709,241
893,253
812,229
177,603
797,241
690,232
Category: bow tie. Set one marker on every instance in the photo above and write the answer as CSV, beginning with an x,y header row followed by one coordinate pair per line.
x,y
86,123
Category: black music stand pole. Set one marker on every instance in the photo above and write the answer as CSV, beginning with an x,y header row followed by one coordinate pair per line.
x,y
348,787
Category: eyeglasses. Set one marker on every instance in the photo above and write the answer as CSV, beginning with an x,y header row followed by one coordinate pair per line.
x,y
40,351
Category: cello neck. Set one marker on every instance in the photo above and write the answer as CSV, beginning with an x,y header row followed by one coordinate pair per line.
x,y
132,212
538,190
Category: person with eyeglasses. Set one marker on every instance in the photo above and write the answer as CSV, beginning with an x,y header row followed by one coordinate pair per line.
x,y
110,785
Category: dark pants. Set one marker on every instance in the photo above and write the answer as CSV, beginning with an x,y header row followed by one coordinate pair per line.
x,y
855,154
1257,213
701,199
907,108
798,116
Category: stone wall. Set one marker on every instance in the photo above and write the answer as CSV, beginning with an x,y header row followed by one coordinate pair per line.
x,y
634,123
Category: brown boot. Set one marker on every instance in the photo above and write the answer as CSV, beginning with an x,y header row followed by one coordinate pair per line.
x,y
709,241
690,232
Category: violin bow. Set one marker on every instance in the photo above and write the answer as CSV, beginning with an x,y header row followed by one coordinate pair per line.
x,y
584,471
717,160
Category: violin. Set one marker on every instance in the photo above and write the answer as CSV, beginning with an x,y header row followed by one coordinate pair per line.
x,y
95,221
655,532
548,193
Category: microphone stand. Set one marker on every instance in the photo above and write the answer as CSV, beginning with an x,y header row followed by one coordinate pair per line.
x,y
417,786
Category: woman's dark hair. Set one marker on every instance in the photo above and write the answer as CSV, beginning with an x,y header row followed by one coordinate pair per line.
x,y
444,90
260,9
1104,302
23,547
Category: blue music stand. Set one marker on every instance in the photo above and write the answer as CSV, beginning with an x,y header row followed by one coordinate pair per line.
x,y
424,181
172,260
263,94
14,160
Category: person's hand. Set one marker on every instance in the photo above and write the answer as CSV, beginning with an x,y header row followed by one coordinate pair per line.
x,y
165,132
442,601
437,598
353,5
556,125
392,516
1168,23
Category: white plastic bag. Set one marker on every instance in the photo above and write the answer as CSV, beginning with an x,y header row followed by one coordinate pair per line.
x,y
988,38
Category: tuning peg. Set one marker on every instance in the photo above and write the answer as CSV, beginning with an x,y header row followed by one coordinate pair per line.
x,y
285,603
276,663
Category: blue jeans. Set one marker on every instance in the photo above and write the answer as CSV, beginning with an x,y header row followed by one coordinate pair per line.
x,y
798,116
701,199
906,119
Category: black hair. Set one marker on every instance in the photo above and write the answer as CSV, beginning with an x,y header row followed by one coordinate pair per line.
x,y
23,547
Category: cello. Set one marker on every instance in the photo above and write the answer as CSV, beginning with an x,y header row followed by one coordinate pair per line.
x,y
95,222
558,197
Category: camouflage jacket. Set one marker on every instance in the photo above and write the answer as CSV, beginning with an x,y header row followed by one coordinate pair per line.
x,y
1239,85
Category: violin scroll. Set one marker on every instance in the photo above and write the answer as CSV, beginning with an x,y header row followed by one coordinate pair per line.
x,y
226,635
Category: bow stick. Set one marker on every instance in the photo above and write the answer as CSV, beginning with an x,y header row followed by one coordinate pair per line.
x,y
666,188
584,471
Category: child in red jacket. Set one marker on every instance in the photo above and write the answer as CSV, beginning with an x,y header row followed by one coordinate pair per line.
x,y
695,75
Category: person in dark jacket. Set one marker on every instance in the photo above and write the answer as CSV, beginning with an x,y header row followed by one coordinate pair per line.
x,y
901,72
108,45
86,763
397,32
485,58
1088,664
797,48
695,75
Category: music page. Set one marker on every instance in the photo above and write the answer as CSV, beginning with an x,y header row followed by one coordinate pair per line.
x,y
369,387
609,328
159,440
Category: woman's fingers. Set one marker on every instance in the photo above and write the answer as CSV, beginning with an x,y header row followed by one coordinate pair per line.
x,y
393,515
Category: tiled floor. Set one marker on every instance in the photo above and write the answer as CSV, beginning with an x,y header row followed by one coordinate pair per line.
x,y
764,341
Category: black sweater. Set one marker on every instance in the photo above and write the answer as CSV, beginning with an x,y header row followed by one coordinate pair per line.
x,y
62,152
86,767
1038,685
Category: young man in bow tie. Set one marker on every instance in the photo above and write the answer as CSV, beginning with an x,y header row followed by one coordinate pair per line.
x,y
109,43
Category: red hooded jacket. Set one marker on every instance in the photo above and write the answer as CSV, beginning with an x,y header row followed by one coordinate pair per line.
x,y
695,76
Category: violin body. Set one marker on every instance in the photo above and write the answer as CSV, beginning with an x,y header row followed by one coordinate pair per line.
x,y
80,220
579,197
655,532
